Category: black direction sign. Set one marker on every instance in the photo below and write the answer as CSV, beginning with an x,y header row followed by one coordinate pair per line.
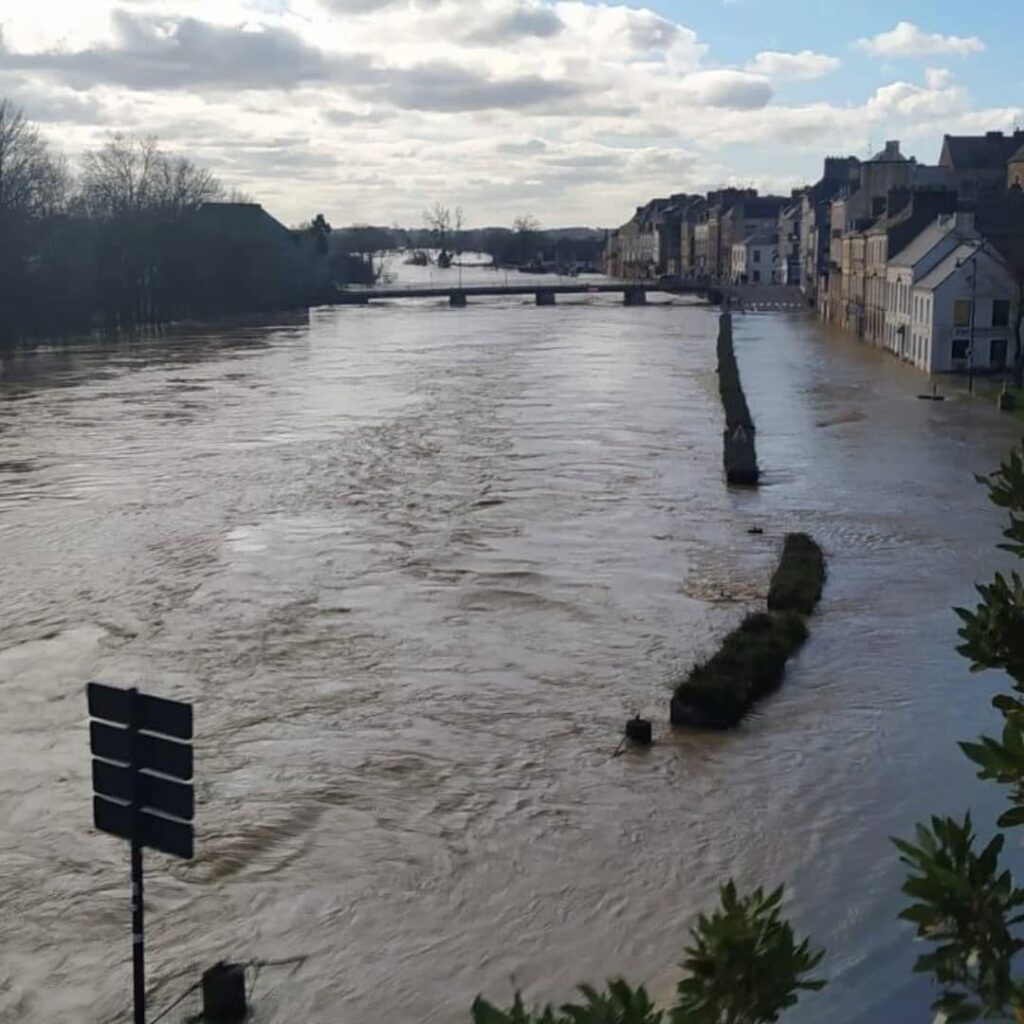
x,y
152,792
153,830
150,752
141,777
153,714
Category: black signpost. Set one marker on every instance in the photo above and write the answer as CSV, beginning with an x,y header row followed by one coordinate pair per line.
x,y
142,782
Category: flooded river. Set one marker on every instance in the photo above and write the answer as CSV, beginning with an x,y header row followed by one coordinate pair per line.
x,y
415,566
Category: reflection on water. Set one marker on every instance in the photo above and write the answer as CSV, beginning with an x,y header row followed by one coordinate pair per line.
x,y
415,566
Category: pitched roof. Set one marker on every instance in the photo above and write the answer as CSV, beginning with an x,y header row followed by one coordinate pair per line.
x,y
932,280
952,262
1017,157
978,152
763,206
927,240
762,238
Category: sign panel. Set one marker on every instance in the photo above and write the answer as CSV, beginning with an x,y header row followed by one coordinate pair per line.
x,y
152,792
153,714
151,752
154,831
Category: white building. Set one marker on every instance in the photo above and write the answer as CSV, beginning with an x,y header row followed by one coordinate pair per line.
x,y
962,312
755,260
909,266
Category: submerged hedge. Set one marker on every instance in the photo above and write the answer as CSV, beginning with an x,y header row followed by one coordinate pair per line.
x,y
751,662
739,454
796,585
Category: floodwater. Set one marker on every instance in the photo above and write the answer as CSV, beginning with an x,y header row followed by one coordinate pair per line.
x,y
415,567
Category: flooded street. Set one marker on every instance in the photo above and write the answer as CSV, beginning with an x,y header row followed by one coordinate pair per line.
x,y
415,566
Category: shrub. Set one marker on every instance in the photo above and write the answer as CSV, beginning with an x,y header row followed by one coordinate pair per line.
x,y
744,966
797,583
749,665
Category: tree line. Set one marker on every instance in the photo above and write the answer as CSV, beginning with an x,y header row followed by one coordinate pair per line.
x,y
129,243
443,231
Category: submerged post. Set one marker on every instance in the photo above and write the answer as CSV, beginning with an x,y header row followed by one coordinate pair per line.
x,y
457,299
635,295
545,297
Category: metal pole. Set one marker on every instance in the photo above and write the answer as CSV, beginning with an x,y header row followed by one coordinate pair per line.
x,y
138,926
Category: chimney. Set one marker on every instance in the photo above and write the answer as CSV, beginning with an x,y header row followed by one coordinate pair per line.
x,y
892,149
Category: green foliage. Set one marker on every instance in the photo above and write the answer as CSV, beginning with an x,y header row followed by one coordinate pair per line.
x,y
750,664
967,906
964,903
797,583
745,965
618,1004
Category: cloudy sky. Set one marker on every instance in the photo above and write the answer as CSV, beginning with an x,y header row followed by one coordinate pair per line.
x,y
574,111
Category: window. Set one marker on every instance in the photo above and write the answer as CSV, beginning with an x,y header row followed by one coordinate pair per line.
x,y
757,277
962,313
997,354
757,255
1000,312
959,348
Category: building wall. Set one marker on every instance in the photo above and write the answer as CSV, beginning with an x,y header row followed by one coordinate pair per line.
x,y
939,339
739,262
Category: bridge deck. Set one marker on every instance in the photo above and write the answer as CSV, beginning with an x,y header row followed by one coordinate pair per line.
x,y
469,290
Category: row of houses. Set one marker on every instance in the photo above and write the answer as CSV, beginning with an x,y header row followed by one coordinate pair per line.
x,y
924,260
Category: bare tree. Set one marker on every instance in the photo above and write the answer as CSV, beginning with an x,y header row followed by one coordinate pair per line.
x,y
181,185
33,182
129,174
439,221
527,232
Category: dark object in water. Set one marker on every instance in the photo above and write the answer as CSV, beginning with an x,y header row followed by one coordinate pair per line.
x,y
639,731
755,530
224,993
934,396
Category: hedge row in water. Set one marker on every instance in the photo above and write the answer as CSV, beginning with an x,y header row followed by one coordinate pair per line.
x,y
739,454
797,583
751,662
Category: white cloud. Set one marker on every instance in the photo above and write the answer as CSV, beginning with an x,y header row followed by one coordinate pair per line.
x,y
907,40
574,110
738,90
803,65
938,78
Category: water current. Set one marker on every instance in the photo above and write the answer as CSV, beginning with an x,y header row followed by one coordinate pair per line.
x,y
415,566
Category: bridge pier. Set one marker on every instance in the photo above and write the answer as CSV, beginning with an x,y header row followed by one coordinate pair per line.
x,y
545,297
635,296
457,299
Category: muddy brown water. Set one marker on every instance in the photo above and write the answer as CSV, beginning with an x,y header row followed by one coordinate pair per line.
x,y
415,567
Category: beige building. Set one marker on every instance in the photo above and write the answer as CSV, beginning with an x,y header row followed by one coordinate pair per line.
x,y
962,313
909,266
